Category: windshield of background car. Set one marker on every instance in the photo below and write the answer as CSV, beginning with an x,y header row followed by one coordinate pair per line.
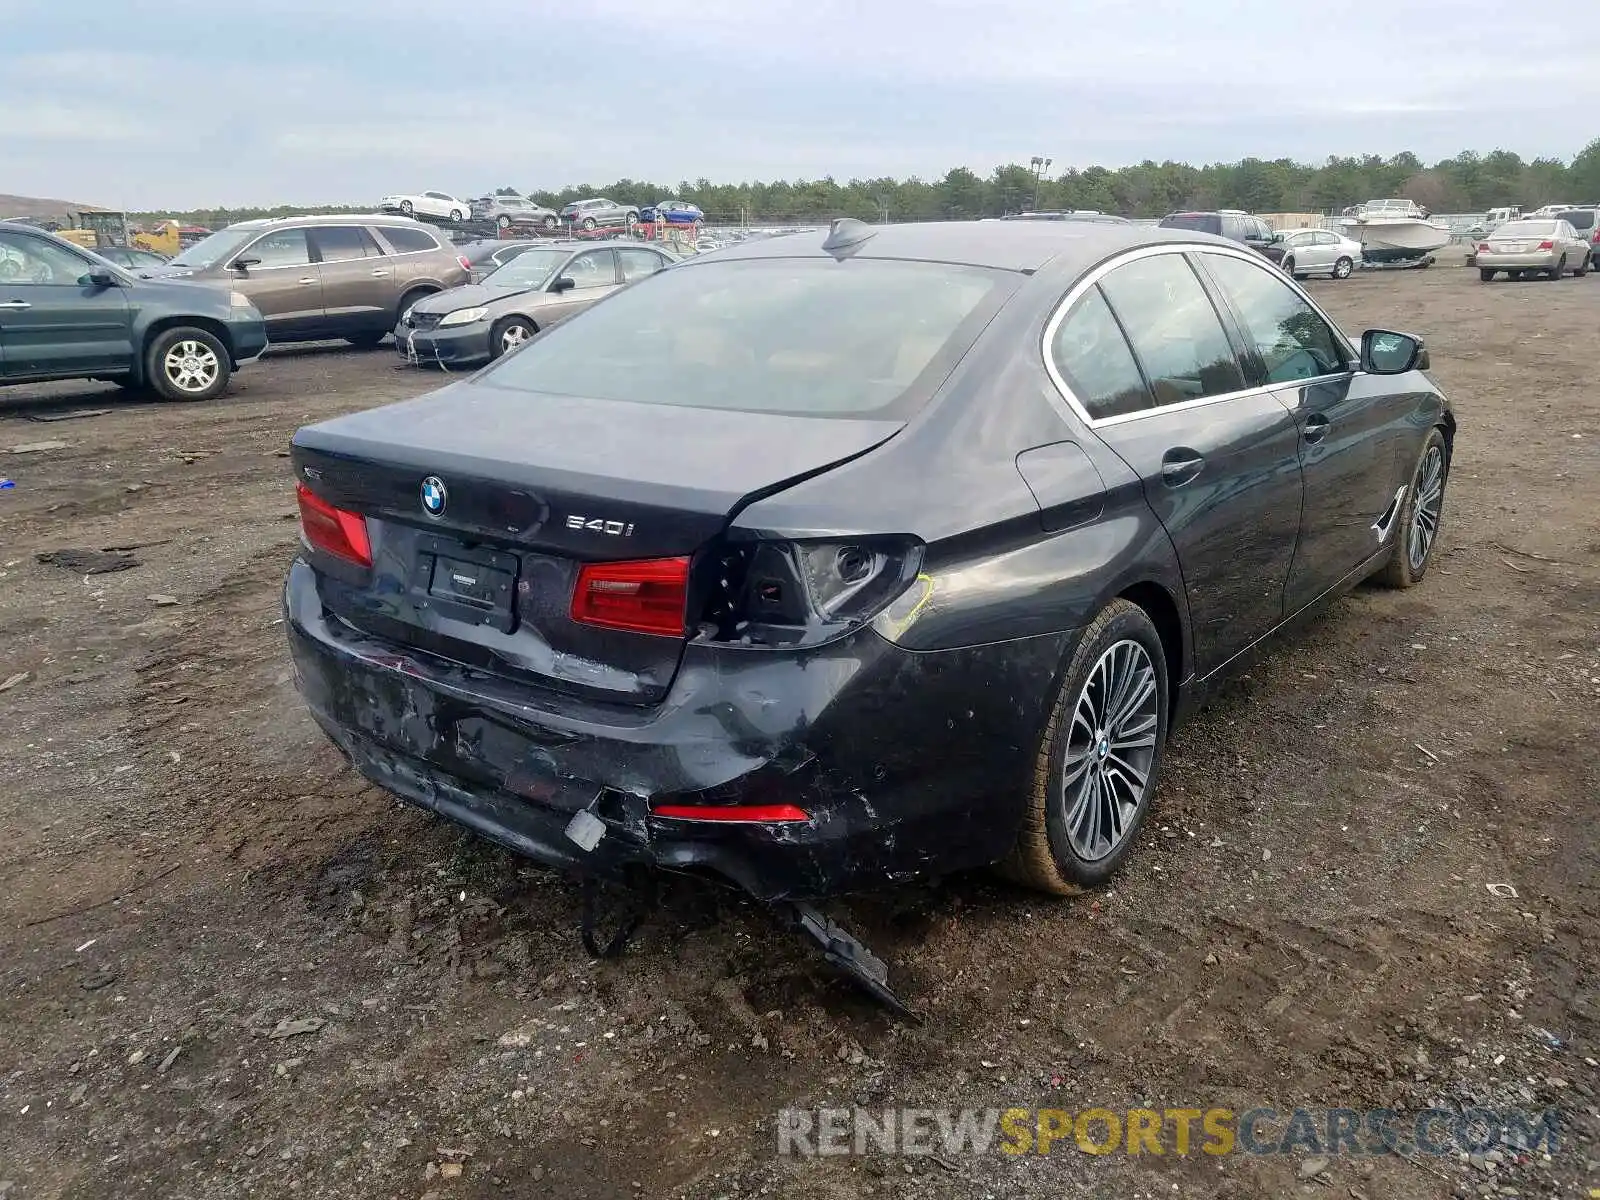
x,y
808,337
529,269
1526,229
218,248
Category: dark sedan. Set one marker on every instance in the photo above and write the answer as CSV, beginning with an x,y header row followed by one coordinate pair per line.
x,y
839,559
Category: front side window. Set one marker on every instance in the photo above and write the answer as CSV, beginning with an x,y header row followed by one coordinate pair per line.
x,y
282,248
809,337
1094,359
1287,334
1174,329
591,269
36,262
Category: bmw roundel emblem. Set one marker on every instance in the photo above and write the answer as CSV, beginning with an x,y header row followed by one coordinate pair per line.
x,y
434,496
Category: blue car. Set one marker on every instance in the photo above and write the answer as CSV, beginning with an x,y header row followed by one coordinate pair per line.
x,y
673,212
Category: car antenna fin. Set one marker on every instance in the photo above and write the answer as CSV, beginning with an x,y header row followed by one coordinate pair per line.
x,y
846,236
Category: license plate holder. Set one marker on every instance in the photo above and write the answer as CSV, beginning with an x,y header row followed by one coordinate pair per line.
x,y
472,585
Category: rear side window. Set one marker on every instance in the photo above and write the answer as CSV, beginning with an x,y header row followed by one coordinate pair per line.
x,y
1094,359
809,337
408,241
1175,332
340,243
636,264
1288,336
1198,222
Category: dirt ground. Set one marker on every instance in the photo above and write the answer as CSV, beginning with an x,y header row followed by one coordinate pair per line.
x,y
186,868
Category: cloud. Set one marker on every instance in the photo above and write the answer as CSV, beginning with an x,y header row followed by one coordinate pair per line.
x,y
328,103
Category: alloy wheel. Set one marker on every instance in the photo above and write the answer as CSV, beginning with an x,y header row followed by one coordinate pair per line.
x,y
1110,750
1342,268
191,366
513,336
1426,511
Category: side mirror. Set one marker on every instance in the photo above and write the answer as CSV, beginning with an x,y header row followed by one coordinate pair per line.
x,y
1384,352
101,278
1277,237
563,283
244,264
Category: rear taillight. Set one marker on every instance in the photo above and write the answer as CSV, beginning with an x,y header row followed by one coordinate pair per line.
x,y
1547,245
646,596
1597,237
465,265
1483,248
339,533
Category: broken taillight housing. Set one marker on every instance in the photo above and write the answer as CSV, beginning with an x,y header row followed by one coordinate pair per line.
x,y
334,530
804,592
647,596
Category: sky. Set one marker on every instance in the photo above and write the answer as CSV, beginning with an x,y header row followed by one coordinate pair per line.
x,y
187,104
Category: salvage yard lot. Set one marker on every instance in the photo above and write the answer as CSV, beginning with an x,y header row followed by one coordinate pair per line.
x,y
187,869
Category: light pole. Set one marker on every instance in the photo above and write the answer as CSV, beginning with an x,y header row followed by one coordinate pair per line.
x,y
1040,166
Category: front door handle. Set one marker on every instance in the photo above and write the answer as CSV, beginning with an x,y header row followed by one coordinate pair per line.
x,y
1316,427
307,280
379,274
1180,466
15,305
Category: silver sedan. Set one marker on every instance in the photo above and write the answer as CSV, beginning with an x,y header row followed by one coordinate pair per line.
x,y
1521,248
1319,252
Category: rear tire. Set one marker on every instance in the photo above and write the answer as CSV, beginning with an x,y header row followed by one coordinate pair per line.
x,y
1485,274
589,222
1406,566
1342,268
503,221
1288,267
407,209
551,222
186,363
1560,269
455,216
1085,773
1583,269
409,299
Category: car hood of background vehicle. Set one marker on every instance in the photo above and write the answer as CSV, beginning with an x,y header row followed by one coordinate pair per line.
x,y
470,296
602,448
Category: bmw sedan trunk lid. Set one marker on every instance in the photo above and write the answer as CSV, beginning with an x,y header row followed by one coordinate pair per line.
x,y
483,505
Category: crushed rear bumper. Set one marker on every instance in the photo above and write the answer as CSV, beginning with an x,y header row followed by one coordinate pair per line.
x,y
906,764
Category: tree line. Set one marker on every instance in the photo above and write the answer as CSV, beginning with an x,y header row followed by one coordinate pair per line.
x,y
1468,182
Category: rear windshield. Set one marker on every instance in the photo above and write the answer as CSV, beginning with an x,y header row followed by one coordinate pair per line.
x,y
1526,229
1199,222
813,337
1581,218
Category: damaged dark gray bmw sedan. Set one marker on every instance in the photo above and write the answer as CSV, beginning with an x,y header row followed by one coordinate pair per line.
x,y
839,559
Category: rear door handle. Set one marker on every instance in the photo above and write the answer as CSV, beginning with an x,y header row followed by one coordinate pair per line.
x,y
15,305
1180,466
379,274
308,280
1316,427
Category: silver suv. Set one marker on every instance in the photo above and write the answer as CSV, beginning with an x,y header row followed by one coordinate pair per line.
x,y
326,277
506,211
590,214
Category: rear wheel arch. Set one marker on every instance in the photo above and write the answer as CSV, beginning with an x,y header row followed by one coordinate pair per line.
x,y
412,295
1164,614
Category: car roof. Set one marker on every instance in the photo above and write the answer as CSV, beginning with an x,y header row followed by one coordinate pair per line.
x,y
327,219
1006,245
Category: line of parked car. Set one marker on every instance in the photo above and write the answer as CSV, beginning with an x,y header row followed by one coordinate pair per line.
x,y
509,211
